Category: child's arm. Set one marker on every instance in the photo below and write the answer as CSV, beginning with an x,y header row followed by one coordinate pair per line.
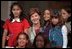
x,y
4,38
26,26
26,31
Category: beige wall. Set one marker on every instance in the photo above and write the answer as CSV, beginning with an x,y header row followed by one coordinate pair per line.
x,y
5,6
5,9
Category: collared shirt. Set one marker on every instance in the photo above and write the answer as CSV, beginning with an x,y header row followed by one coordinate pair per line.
x,y
14,29
16,19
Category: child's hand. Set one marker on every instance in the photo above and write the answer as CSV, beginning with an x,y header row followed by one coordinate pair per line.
x,y
7,37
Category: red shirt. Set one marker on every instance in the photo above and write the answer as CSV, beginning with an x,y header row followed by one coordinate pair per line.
x,y
14,29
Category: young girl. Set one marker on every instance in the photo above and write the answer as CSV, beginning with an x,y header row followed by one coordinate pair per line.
x,y
66,15
55,33
22,41
47,24
35,23
16,24
40,41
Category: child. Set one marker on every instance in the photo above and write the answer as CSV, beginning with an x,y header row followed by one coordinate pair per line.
x,y
55,33
16,24
22,41
66,15
47,23
41,42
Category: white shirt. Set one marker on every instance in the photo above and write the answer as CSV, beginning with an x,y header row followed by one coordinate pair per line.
x,y
32,34
65,39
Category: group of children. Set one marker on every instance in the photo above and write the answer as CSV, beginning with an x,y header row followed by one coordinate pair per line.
x,y
43,30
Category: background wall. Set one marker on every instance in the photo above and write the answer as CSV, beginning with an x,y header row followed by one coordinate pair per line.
x,y
5,9
5,6
44,4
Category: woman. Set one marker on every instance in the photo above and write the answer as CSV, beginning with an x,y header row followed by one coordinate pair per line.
x,y
35,23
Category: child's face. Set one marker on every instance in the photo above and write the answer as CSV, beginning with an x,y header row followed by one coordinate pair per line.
x,y
16,11
35,18
22,41
55,21
46,15
39,42
64,14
